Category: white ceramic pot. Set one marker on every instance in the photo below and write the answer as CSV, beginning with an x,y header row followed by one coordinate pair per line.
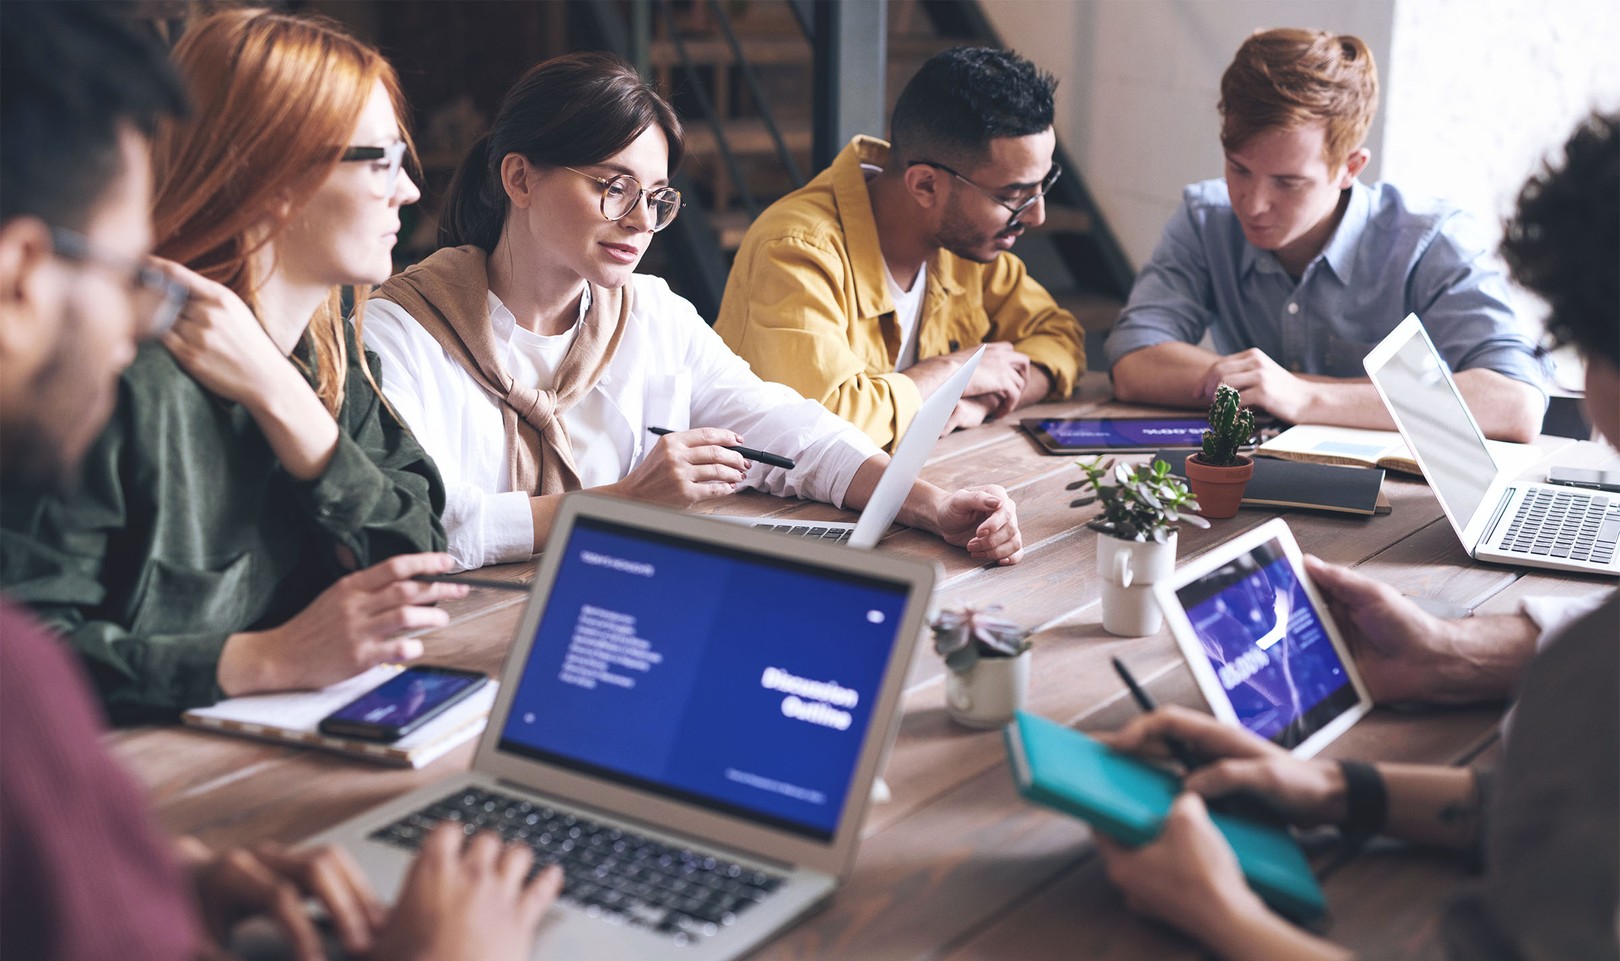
x,y
1129,570
987,694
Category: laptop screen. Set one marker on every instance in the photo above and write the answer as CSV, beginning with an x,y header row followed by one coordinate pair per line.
x,y
707,674
1267,645
1425,404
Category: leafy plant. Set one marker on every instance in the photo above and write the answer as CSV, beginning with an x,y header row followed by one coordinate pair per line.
x,y
1229,428
1142,503
962,635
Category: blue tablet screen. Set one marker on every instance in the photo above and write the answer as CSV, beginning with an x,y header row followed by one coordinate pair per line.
x,y
1120,434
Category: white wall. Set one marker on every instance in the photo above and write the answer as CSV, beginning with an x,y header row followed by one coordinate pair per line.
x,y
1474,91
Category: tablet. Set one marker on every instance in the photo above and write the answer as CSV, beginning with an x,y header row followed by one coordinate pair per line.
x,y
1079,435
1260,642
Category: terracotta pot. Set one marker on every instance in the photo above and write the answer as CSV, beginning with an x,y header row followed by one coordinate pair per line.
x,y
1219,489
986,694
1129,570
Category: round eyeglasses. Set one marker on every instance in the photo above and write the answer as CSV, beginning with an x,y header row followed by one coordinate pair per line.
x,y
1021,200
157,297
623,193
389,158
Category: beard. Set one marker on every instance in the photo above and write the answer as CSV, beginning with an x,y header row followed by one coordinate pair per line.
x,y
965,238
69,407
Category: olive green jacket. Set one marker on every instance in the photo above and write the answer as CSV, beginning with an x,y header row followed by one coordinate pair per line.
x,y
185,530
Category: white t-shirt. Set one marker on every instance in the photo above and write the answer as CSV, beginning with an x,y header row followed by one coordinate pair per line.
x,y
671,370
907,311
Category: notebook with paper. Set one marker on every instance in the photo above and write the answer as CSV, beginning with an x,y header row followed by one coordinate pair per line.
x,y
1498,518
690,721
890,493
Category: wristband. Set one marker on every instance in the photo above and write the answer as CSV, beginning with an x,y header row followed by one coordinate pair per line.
x,y
1365,798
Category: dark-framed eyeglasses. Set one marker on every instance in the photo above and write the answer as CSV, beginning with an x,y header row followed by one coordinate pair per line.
x,y
389,158
623,193
1015,206
158,297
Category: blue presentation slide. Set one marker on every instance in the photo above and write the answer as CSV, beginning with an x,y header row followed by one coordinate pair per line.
x,y
1267,645
706,673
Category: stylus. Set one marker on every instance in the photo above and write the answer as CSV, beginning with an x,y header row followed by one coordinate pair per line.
x,y
764,457
493,585
1242,802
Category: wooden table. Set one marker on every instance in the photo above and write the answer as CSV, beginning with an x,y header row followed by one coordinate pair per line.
x,y
956,866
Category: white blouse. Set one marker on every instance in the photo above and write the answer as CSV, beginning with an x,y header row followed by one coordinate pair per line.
x,y
671,370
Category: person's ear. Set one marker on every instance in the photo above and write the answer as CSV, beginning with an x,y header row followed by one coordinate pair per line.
x,y
515,179
30,297
1354,165
923,183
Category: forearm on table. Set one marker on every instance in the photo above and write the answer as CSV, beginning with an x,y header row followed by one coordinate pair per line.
x,y
1505,409
1485,657
1259,934
1344,402
1168,374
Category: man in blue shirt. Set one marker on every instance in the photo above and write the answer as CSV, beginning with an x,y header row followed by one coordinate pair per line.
x,y
1295,269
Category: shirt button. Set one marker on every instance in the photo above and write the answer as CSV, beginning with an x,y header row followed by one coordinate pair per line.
x,y
1293,308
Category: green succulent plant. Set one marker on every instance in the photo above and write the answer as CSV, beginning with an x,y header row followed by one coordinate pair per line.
x,y
1229,428
962,635
1142,503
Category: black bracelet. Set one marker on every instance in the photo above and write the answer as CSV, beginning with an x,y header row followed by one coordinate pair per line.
x,y
1365,798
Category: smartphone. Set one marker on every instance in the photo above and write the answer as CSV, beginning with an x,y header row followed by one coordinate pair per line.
x,y
1603,480
403,703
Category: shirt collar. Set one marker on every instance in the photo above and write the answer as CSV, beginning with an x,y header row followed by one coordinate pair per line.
x,y
503,322
860,226
1339,253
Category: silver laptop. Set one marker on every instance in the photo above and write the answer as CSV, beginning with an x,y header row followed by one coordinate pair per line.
x,y
890,493
1498,518
689,722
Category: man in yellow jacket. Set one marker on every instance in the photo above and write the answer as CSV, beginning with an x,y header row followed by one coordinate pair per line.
x,y
869,286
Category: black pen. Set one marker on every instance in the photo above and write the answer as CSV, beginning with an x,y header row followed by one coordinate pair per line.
x,y
775,460
1241,802
490,583
1183,753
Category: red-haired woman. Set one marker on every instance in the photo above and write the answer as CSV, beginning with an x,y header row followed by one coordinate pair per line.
x,y
253,515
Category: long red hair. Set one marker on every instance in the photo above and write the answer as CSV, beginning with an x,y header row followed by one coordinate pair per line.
x,y
276,98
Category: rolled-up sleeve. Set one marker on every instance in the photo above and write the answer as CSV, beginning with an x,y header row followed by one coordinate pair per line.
x,y
1171,297
1024,314
1463,299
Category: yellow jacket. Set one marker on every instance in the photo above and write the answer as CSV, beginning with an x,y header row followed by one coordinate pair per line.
x,y
807,304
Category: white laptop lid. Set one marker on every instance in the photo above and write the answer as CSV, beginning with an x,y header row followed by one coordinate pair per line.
x,y
1261,643
724,683
910,455
1417,388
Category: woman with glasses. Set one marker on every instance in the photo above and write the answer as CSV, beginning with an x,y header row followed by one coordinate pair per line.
x,y
531,360
253,515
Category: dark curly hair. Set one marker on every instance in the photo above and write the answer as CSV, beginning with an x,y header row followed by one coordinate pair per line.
x,y
963,98
1563,241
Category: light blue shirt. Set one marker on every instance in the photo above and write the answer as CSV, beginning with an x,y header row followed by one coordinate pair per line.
x,y
1390,256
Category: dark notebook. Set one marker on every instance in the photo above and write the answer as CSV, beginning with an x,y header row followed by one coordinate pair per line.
x,y
1302,486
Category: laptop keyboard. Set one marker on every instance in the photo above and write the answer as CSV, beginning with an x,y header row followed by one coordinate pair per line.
x,y
1579,527
833,535
617,875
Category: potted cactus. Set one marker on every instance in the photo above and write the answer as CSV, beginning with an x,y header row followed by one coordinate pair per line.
x,y
1136,537
1218,473
988,661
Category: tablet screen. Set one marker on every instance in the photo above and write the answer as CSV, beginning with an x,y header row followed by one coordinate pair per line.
x,y
1267,646
1083,434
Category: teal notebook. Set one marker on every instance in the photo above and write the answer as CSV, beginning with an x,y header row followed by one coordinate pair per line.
x,y
1127,799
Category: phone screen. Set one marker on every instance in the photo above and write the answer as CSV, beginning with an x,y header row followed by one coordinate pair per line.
x,y
403,701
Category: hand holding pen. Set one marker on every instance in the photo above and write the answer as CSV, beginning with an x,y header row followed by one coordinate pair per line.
x,y
763,457
1243,803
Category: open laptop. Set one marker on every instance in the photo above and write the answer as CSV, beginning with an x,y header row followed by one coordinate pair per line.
x,y
890,493
690,720
1498,518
